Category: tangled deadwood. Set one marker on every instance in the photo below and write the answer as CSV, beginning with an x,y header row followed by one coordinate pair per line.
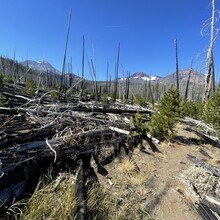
x,y
36,133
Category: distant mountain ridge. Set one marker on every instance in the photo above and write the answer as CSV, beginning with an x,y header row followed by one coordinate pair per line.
x,y
141,77
41,66
137,77
45,66
195,76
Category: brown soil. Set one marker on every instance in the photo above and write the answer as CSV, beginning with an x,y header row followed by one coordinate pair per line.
x,y
164,197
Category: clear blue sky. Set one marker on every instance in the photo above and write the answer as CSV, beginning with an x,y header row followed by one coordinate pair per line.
x,y
36,29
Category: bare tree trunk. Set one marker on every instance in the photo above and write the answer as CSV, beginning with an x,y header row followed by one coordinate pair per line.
x,y
188,81
116,74
151,94
95,81
127,85
110,83
62,86
177,68
107,79
210,76
83,64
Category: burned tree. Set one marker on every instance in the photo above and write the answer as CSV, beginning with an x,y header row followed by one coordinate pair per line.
x,y
177,68
83,64
127,85
116,74
62,86
188,81
210,74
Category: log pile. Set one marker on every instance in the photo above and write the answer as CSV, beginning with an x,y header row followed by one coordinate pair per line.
x,y
36,133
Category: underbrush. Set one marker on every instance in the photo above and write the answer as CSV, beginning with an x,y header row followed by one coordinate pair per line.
x,y
52,201
123,200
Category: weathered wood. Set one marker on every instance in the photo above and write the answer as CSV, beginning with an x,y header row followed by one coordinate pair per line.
x,y
101,169
151,144
119,130
214,171
212,203
80,194
205,137
73,130
197,123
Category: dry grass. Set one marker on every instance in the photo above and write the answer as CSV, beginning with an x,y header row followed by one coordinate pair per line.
x,y
127,166
52,201
56,200
124,200
138,179
128,191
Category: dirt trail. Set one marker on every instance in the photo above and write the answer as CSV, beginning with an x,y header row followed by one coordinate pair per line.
x,y
163,194
165,200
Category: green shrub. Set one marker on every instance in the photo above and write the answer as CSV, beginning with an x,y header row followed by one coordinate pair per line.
x,y
3,100
139,124
140,100
8,79
163,121
211,113
1,78
105,101
191,109
30,87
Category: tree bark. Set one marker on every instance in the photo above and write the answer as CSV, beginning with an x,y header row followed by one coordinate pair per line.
x,y
210,75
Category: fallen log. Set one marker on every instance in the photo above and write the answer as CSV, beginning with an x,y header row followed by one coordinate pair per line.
x,y
214,171
212,203
197,123
80,193
205,137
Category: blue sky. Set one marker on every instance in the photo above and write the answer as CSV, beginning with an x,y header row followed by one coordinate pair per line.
x,y
146,29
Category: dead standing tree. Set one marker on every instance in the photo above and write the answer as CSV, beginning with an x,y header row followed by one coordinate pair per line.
x,y
127,85
106,86
116,74
62,86
210,74
83,64
177,68
188,81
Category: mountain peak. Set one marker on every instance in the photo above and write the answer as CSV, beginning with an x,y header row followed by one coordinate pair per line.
x,y
140,77
183,76
42,66
139,74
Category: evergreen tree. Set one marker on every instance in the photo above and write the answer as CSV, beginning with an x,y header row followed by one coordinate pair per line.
x,y
193,109
162,123
211,113
30,87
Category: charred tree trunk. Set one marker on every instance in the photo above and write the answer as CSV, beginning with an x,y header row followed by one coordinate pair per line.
x,y
177,68
116,74
62,86
127,86
80,193
187,83
83,64
106,87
